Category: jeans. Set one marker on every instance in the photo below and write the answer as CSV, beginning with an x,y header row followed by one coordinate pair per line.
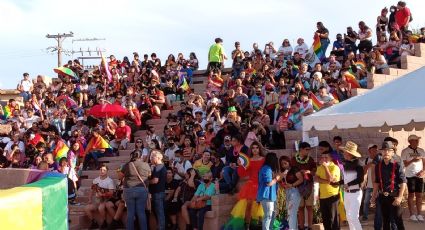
x,y
329,210
293,200
352,207
230,176
158,200
135,199
26,95
268,207
197,216
391,212
325,43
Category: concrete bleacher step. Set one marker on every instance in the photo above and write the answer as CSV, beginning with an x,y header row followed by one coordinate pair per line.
x,y
358,91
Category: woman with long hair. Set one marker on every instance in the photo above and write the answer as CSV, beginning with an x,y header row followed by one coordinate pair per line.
x,y
246,211
136,174
267,188
291,179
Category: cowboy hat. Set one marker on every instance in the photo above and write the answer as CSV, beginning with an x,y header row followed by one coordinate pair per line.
x,y
351,148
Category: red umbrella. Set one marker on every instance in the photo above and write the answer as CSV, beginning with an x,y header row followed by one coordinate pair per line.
x,y
107,110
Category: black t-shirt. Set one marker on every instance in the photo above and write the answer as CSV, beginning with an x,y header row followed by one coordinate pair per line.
x,y
51,128
323,31
160,172
170,186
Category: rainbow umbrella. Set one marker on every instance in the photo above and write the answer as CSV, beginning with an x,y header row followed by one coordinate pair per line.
x,y
64,71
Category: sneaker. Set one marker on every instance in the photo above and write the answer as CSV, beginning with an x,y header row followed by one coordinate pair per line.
x,y
94,225
420,218
414,218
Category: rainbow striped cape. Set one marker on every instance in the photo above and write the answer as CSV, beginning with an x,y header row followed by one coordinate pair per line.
x,y
61,150
97,143
352,80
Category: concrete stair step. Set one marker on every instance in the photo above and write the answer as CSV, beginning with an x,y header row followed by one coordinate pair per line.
x,y
157,121
358,91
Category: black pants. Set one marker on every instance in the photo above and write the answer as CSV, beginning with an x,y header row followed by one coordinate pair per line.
x,y
389,211
329,210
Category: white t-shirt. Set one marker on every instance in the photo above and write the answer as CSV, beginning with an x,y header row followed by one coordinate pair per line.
x,y
71,173
301,49
408,154
285,50
30,120
26,85
106,183
171,153
182,167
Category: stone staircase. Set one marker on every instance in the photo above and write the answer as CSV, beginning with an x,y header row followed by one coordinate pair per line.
x,y
408,64
223,203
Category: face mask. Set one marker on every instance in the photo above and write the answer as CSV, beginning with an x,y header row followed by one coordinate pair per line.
x,y
206,181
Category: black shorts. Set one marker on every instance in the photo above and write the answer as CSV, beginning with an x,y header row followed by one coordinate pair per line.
x,y
415,184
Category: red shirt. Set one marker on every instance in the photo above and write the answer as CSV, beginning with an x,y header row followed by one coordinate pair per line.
x,y
401,16
123,132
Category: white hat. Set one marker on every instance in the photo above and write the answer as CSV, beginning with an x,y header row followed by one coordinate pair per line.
x,y
413,137
80,119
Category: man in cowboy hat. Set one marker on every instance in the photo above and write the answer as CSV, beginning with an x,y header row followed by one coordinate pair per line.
x,y
353,178
389,185
414,160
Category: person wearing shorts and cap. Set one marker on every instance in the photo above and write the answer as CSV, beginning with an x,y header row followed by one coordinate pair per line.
x,y
353,179
389,185
414,160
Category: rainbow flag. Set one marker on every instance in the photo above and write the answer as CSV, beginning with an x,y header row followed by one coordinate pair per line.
x,y
184,85
360,65
352,80
317,47
106,67
7,111
61,150
244,159
183,82
335,95
97,143
317,104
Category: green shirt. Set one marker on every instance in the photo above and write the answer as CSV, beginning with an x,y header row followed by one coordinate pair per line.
x,y
203,191
215,53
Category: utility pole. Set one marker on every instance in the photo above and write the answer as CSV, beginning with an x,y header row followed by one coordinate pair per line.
x,y
59,38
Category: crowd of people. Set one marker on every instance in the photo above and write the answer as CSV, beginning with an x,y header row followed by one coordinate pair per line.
x,y
220,137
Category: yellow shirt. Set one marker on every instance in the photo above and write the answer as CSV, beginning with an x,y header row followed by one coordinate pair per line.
x,y
201,167
327,190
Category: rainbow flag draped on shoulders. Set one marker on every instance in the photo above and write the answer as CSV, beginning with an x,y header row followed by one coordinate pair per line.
x,y
183,82
97,143
61,150
352,80
317,104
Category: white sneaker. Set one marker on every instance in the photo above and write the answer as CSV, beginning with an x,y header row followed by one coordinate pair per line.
x,y
414,218
420,218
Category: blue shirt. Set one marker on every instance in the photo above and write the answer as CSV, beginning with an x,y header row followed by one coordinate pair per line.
x,y
266,193
204,191
256,101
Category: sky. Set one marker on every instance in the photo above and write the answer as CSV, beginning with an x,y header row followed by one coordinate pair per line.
x,y
166,27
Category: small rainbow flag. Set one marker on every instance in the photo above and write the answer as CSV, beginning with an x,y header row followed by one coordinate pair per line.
x,y
317,104
61,150
184,85
106,67
244,159
317,47
352,80
360,65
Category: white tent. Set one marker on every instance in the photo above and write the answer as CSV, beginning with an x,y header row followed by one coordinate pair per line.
x,y
396,103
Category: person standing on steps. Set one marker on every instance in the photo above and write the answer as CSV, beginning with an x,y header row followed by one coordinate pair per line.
x,y
353,178
157,187
389,186
414,160
216,56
